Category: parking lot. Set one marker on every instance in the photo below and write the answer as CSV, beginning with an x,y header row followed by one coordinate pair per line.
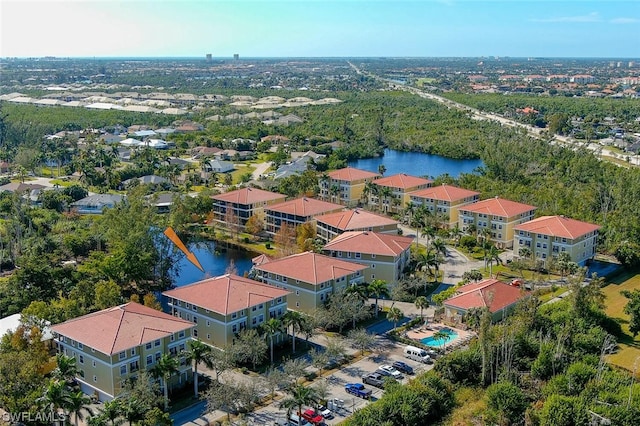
x,y
387,353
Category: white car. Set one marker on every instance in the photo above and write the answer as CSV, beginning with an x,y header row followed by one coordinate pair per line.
x,y
387,370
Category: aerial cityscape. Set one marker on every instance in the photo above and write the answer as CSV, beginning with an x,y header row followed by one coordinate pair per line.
x,y
319,213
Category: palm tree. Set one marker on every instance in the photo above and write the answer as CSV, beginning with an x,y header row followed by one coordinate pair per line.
x,y
296,321
111,410
493,254
334,191
395,315
455,233
164,369
441,336
378,288
385,194
55,396
77,403
359,291
382,169
66,369
272,327
300,396
195,354
421,303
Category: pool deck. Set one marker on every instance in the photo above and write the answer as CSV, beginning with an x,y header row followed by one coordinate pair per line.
x,y
420,333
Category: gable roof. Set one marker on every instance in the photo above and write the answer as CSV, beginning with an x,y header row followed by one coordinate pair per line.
x,y
350,174
21,187
489,293
226,294
248,196
312,268
351,220
402,180
444,192
558,226
304,207
370,242
116,329
498,207
98,200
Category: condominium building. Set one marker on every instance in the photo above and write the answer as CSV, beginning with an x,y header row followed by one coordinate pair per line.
x,y
296,212
548,236
391,194
444,201
386,255
496,215
331,225
345,186
113,345
219,308
241,204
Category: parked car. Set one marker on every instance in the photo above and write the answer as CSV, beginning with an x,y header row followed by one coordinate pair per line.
x,y
374,379
312,417
325,412
358,389
387,370
403,367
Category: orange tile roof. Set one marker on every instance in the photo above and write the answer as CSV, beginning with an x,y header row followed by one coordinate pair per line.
x,y
248,196
226,294
355,219
489,293
402,180
304,207
116,329
444,193
558,226
498,207
312,268
350,174
370,242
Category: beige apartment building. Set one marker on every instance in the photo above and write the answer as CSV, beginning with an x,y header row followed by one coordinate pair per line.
x,y
243,203
386,255
345,186
309,277
219,308
497,215
331,225
548,236
444,201
391,193
113,345
296,212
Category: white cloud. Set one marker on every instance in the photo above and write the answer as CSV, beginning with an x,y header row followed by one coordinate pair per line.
x,y
591,17
624,21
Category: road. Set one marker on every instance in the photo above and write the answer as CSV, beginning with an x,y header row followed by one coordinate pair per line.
x,y
260,169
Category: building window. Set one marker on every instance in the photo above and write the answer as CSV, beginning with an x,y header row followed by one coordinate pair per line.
x,y
208,337
234,328
208,323
195,333
149,360
156,343
123,370
373,256
297,292
133,351
297,304
93,363
195,319
148,346
80,345
234,315
81,359
122,355
95,378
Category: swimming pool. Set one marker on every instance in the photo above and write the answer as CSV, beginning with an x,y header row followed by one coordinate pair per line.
x,y
430,341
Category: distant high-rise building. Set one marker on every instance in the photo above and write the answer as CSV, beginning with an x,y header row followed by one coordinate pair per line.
x,y
208,57
236,56
632,64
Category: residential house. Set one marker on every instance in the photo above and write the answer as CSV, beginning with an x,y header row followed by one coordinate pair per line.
x,y
95,204
331,225
496,215
345,186
218,166
298,165
500,298
386,255
221,307
309,277
241,204
444,201
296,212
390,194
112,345
548,236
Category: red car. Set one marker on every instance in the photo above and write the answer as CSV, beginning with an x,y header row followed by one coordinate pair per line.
x,y
312,417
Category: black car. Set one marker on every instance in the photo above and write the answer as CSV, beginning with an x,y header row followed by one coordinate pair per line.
x,y
402,367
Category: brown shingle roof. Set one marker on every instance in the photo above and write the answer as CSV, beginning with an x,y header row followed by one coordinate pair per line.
x,y
304,207
402,180
122,327
498,207
370,242
226,294
355,219
248,196
558,226
444,193
349,174
312,268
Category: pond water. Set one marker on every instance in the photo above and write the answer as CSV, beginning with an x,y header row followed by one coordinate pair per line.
x,y
214,263
417,164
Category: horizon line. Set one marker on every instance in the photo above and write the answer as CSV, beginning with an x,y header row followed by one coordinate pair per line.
x,y
204,58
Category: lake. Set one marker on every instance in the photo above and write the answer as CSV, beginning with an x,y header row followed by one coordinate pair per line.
x,y
417,164
214,264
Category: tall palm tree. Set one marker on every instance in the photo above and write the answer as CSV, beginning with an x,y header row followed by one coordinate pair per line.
x,y
421,303
271,327
300,396
360,291
493,254
55,396
66,369
111,410
395,315
378,288
385,194
456,233
441,336
77,403
382,169
164,369
196,353
296,321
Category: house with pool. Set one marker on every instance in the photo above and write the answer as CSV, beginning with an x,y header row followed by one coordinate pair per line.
x,y
500,298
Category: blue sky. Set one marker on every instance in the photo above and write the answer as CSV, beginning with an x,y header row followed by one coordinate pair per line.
x,y
320,28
